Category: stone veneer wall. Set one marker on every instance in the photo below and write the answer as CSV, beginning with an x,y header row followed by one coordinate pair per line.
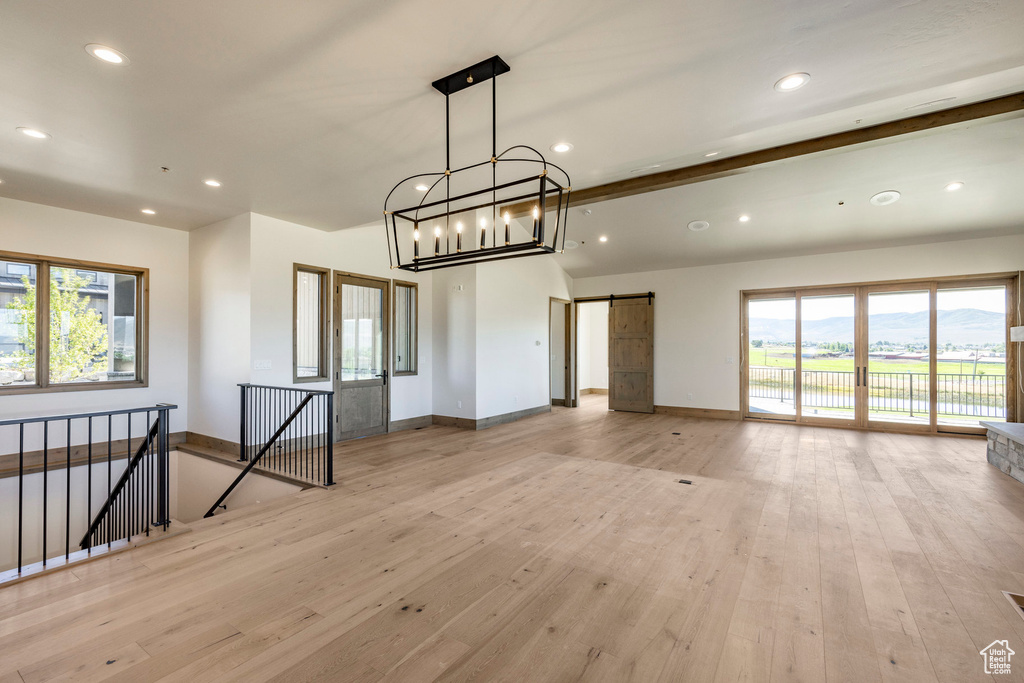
x,y
1006,454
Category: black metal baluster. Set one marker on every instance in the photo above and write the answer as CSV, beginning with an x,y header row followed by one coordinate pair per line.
x,y
67,497
46,476
88,485
110,465
21,489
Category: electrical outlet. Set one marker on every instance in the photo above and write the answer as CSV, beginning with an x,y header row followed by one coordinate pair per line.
x,y
458,404
729,360
689,397
261,365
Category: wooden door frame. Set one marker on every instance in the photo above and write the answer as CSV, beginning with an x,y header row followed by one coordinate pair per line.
x,y
1012,280
336,346
567,351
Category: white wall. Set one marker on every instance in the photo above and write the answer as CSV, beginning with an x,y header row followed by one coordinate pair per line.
x,y
219,299
593,345
48,231
275,246
512,345
697,310
454,329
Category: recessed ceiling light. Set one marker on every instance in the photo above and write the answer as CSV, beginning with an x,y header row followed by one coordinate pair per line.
x,y
792,82
712,154
744,218
422,188
954,186
106,54
645,168
603,238
698,226
33,133
561,147
212,183
885,198
149,212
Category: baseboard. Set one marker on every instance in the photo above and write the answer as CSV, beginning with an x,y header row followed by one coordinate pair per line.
x,y
449,421
487,422
558,401
57,458
411,423
212,442
707,413
593,390
495,420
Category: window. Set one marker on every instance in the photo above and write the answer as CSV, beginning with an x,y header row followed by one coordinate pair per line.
x,y
63,328
406,329
311,320
921,356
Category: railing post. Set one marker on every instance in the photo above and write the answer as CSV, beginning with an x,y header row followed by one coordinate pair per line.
x,y
330,440
242,425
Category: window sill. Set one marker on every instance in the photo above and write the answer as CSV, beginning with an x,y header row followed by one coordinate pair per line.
x,y
76,386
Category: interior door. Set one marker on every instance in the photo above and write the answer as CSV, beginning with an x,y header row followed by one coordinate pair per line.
x,y
631,355
360,356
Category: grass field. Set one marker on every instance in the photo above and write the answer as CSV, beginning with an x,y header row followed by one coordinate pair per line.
x,y
782,357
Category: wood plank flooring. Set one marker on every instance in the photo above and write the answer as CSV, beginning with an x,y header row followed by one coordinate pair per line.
x,y
564,548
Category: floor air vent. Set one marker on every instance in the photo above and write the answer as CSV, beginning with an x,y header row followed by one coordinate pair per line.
x,y
1017,601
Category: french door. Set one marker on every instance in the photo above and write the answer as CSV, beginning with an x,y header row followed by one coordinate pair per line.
x,y
360,356
922,356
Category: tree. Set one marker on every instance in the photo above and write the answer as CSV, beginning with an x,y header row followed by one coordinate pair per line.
x,y
78,337
757,343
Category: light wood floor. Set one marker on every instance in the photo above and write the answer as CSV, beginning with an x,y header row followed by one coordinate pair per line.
x,y
564,548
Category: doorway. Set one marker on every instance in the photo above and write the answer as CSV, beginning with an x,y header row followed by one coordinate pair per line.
x,y
360,356
592,351
916,356
560,379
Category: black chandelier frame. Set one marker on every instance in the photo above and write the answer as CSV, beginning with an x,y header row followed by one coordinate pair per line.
x,y
548,195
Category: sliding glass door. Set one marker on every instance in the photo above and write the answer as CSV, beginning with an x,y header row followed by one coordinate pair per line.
x,y
828,357
921,356
897,382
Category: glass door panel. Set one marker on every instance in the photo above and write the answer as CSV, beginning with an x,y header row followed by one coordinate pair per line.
x,y
971,340
362,333
899,356
828,364
771,367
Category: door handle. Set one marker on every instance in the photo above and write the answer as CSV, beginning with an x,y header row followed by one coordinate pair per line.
x,y
383,374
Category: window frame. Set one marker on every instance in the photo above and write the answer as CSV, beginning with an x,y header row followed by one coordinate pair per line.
x,y
414,331
43,265
324,369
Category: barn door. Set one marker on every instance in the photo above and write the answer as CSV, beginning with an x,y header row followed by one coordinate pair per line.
x,y
631,354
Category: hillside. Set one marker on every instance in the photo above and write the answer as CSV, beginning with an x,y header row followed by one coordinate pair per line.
x,y
961,326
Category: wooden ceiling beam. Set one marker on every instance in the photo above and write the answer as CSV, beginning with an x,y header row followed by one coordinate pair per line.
x,y
738,164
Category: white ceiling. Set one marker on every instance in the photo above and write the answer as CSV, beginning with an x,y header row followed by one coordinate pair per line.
x,y
311,111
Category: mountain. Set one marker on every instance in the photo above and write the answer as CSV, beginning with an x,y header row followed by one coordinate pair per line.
x,y
960,326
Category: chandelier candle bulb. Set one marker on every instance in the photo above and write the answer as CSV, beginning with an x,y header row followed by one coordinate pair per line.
x,y
458,238
536,223
483,233
508,228
437,240
416,242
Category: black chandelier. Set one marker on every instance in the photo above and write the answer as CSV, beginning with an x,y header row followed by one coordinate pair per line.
x,y
469,225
